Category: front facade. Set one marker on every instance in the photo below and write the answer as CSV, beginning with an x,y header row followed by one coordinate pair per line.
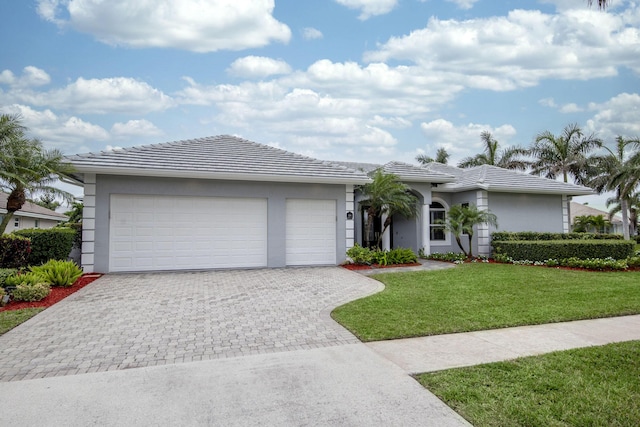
x,y
30,216
224,202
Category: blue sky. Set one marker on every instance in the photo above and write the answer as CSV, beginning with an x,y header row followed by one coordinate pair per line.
x,y
365,80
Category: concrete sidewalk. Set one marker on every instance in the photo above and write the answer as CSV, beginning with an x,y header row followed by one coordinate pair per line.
x,y
438,352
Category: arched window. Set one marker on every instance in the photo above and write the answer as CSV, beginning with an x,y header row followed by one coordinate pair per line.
x,y
437,216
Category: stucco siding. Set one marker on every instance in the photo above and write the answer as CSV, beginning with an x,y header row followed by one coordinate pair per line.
x,y
275,193
527,212
27,222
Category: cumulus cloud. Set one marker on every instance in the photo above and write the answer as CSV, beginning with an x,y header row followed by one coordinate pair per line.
x,y
258,66
135,128
62,132
463,140
369,8
520,49
617,116
31,76
109,95
464,4
310,33
194,25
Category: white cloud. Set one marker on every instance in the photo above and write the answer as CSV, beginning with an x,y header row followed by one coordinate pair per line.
x,y
195,25
31,76
257,67
464,140
369,8
520,49
571,108
135,128
619,115
100,96
464,4
310,33
63,132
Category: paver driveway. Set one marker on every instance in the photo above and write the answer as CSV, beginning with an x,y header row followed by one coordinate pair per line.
x,y
135,320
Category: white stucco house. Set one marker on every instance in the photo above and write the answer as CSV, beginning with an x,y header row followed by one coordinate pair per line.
x,y
30,216
225,202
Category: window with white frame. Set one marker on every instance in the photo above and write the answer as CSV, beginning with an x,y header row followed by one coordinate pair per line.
x,y
16,222
437,217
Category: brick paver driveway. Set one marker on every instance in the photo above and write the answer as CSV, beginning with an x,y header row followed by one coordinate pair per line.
x,y
134,320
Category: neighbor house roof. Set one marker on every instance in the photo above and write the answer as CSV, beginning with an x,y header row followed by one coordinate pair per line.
x,y
218,157
31,210
578,209
405,171
493,178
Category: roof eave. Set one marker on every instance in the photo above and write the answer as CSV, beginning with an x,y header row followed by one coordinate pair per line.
x,y
173,173
573,192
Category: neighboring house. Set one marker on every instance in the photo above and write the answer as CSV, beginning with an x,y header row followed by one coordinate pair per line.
x,y
578,209
225,202
522,202
30,216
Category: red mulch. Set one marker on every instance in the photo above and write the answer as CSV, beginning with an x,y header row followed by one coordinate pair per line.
x,y
57,294
370,267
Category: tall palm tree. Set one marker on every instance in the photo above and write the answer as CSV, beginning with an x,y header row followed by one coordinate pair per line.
x,y
602,4
565,154
634,209
387,195
462,219
441,157
619,171
492,155
26,167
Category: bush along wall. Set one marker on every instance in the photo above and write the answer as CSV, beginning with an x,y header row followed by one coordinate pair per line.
x,y
46,244
541,250
14,251
500,236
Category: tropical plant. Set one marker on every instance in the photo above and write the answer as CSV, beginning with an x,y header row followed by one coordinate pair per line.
x,y
619,171
441,157
508,158
462,220
26,168
75,213
386,196
59,273
565,154
602,4
634,209
590,223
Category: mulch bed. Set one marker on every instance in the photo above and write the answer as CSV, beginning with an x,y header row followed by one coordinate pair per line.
x,y
57,294
376,266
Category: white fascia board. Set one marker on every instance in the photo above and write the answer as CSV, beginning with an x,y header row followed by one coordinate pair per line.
x,y
34,215
164,173
576,192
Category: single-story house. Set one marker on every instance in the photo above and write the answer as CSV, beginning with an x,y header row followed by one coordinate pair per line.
x,y
225,202
30,216
579,209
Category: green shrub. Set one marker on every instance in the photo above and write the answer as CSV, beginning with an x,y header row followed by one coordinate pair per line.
x,y
2,294
31,291
14,251
634,261
46,244
449,256
59,273
360,255
4,273
500,236
560,249
29,278
401,256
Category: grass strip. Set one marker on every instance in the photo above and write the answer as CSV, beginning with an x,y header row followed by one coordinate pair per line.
x,y
595,386
12,318
474,297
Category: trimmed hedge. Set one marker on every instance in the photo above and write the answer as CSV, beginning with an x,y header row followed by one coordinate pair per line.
x,y
14,251
541,250
501,236
46,244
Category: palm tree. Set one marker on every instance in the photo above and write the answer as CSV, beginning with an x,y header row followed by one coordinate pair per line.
x,y
619,171
26,167
634,209
602,4
565,154
441,157
507,159
462,219
386,195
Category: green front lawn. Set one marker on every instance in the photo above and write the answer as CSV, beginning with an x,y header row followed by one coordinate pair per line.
x,y
12,318
483,296
596,386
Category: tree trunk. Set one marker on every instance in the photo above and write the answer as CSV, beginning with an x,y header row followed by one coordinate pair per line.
x,y
387,223
470,236
15,201
625,217
5,221
459,242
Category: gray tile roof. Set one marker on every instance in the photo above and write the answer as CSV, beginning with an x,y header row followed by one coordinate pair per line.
x,y
492,178
31,210
406,171
218,157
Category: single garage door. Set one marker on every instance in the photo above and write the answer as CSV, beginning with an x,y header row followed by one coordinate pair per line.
x,y
311,232
178,233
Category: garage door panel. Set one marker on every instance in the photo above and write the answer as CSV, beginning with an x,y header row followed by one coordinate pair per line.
x,y
186,233
311,232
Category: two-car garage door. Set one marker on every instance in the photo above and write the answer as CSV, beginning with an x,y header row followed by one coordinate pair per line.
x,y
150,233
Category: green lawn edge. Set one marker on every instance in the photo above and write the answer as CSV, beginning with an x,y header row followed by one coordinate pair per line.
x,y
11,318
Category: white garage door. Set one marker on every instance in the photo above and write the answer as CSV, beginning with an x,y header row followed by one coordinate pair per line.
x,y
311,232
178,233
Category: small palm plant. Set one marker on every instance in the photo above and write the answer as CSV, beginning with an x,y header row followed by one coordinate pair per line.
x,y
462,220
